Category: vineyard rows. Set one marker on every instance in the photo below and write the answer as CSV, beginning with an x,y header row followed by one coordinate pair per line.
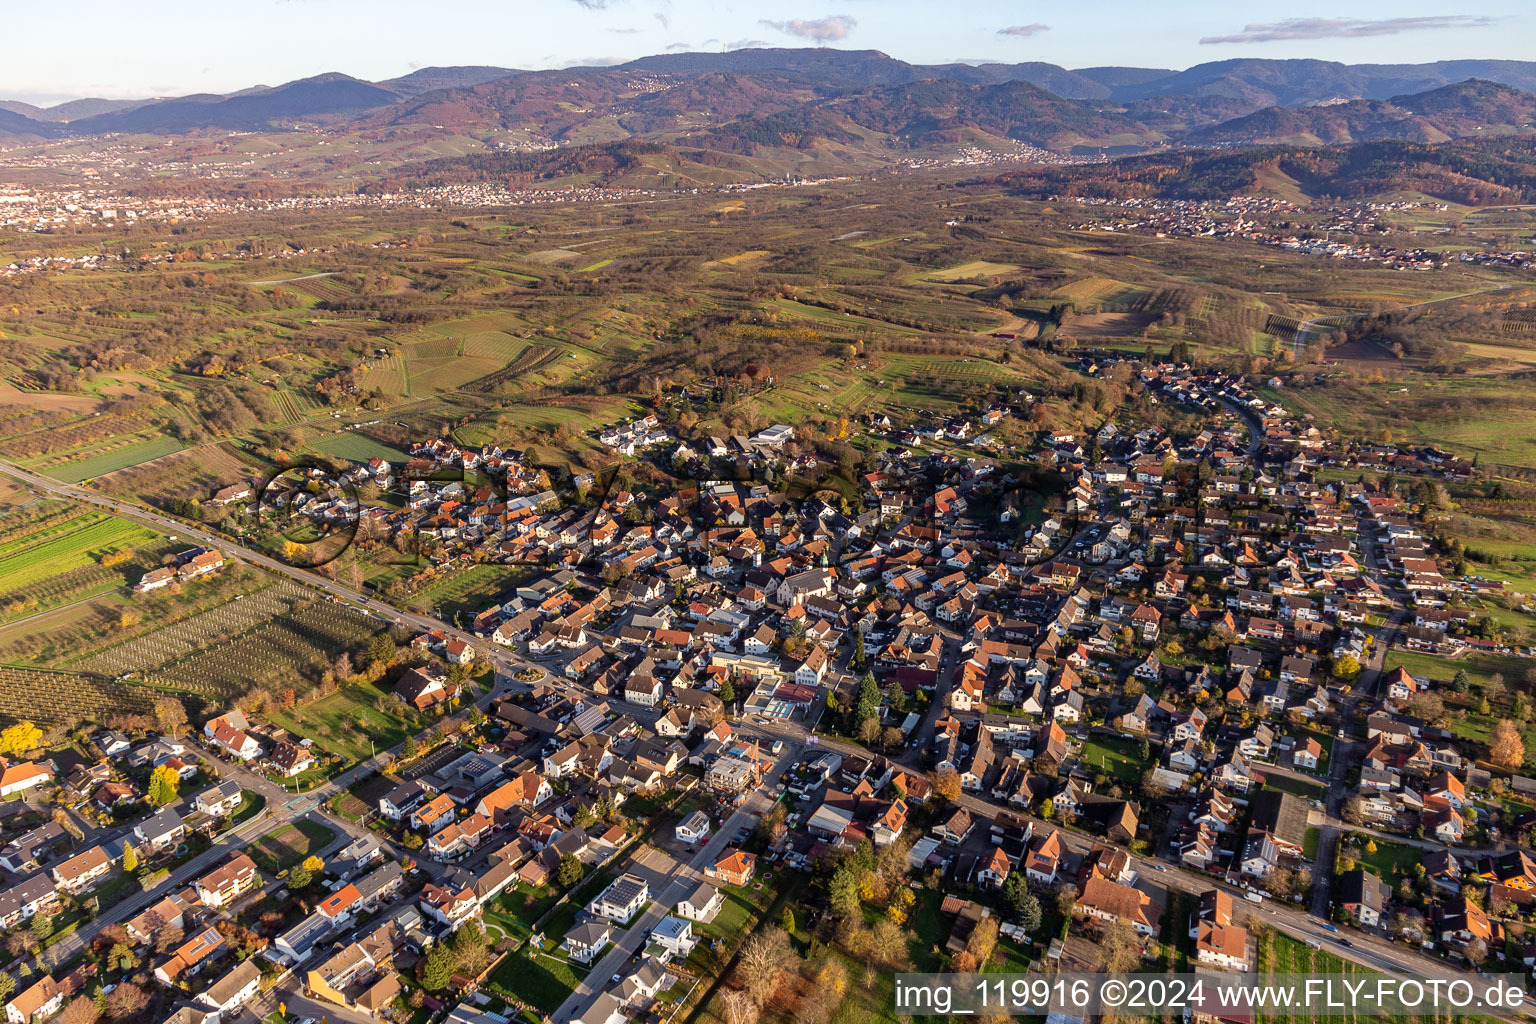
x,y
86,581
273,653
27,566
45,516
1520,321
41,696
532,359
192,634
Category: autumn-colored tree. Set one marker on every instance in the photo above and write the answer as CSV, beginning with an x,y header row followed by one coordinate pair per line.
x,y
983,940
739,1006
901,905
888,943
869,731
170,716
20,738
1506,748
130,858
127,1000
471,951
313,863
946,784
761,962
163,784
1120,951
80,1010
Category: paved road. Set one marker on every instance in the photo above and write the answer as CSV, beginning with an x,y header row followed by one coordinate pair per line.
x,y
679,881
1370,951
198,866
502,659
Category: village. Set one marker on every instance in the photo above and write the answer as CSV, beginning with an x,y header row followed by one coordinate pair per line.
x,y
1249,218
1132,693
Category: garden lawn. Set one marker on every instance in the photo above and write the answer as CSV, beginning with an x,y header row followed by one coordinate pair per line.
x,y
564,917
1297,787
1390,859
1118,758
516,910
540,981
343,722
287,846
1480,667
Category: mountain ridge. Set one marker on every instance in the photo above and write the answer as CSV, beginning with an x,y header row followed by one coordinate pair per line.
x,y
863,107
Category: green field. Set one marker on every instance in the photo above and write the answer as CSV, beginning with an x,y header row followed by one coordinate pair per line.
x,y
357,447
344,722
122,458
467,592
24,564
1297,787
1480,668
974,269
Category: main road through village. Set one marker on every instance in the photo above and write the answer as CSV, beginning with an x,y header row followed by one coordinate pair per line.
x,y
674,878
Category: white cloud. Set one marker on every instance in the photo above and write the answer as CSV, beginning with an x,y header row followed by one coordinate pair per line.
x,y
1024,31
1345,28
829,29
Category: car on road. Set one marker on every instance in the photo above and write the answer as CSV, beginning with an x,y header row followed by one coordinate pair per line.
x,y
1330,927
1343,942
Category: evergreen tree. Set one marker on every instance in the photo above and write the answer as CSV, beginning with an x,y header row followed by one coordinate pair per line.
x,y
867,702
438,969
1015,892
1029,913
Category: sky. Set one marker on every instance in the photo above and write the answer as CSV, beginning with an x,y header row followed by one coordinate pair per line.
x,y
174,47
